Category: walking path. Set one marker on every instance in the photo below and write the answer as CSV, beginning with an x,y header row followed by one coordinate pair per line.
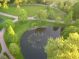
x,y
9,15
2,42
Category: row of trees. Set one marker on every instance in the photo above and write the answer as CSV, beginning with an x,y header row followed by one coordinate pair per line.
x,y
18,2
4,3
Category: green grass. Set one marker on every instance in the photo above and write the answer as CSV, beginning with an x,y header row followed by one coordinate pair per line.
x,y
31,10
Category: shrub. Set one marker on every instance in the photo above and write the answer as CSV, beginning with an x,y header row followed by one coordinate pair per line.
x,y
74,39
9,38
17,2
14,48
11,31
10,35
5,5
9,22
69,29
0,5
63,49
22,14
42,15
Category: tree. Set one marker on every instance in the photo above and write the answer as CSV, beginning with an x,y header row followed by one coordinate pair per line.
x,y
5,4
74,39
0,5
17,2
63,49
11,31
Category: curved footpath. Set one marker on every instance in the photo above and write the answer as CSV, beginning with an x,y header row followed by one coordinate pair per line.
x,y
2,42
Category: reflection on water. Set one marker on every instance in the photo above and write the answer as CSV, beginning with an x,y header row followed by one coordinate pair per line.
x,y
33,42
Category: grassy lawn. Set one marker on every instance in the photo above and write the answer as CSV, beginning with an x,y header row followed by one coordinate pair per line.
x,y
31,10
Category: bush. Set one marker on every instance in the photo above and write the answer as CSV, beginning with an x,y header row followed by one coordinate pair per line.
x,y
63,49
22,14
6,23
14,48
42,15
11,31
9,39
74,39
9,22
10,35
69,29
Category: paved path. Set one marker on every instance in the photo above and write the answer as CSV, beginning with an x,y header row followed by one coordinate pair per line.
x,y
2,42
9,15
53,21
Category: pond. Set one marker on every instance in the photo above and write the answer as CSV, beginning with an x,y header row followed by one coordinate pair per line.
x,y
33,41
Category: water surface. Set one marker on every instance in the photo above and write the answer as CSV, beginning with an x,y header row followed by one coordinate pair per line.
x,y
34,41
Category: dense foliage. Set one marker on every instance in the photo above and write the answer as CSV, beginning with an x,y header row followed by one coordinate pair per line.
x,y
69,29
13,47
42,15
22,14
63,49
